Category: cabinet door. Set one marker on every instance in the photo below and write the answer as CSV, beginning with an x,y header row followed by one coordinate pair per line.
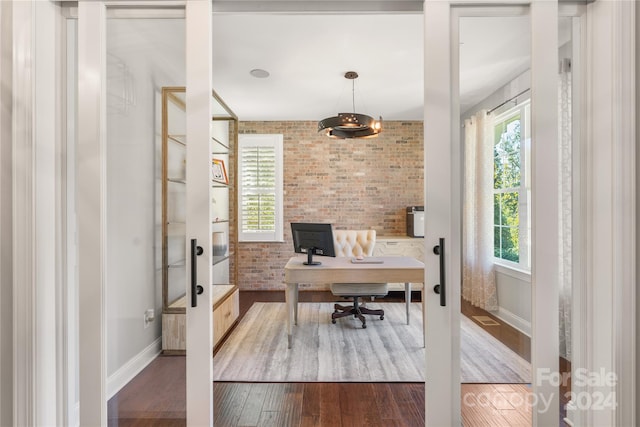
x,y
224,316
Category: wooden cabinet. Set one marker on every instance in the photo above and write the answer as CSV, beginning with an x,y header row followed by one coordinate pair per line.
x,y
226,310
400,246
224,131
226,303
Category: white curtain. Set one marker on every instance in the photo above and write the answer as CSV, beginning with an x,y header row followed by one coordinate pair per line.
x,y
564,235
478,276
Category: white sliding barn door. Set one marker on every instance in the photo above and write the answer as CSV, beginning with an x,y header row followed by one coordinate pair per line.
x,y
443,204
198,206
118,173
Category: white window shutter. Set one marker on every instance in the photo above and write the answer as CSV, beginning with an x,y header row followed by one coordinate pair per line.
x,y
260,180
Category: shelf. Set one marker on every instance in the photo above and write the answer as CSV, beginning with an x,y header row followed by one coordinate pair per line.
x,y
175,261
180,139
216,260
218,294
221,144
178,228
219,259
179,303
182,262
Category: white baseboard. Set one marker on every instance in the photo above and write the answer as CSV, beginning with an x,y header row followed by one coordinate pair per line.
x,y
517,322
130,369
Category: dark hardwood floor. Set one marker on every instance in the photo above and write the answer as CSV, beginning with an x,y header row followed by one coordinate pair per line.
x,y
156,396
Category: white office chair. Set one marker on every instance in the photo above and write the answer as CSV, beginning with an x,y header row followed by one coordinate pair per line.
x,y
353,243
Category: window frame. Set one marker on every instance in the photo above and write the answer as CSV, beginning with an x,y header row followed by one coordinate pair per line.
x,y
275,141
523,108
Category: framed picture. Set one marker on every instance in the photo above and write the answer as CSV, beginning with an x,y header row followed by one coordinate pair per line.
x,y
219,171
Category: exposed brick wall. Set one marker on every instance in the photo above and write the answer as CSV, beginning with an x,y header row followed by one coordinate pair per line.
x,y
352,184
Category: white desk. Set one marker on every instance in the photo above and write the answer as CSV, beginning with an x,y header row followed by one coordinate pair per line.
x,y
342,270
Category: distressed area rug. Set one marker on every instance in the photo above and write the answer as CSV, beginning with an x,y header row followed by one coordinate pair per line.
x,y
387,350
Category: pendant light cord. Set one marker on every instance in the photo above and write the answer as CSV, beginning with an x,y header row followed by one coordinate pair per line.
x,y
353,95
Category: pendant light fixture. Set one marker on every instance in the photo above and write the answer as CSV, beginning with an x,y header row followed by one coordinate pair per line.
x,y
351,125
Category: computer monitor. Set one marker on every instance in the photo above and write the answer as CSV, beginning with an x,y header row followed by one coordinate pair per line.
x,y
312,239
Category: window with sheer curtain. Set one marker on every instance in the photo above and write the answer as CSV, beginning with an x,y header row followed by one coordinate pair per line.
x,y
496,200
478,271
260,185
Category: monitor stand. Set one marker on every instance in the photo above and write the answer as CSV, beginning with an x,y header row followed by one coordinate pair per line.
x,y
310,261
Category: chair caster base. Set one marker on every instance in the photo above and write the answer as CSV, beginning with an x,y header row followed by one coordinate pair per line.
x,y
357,311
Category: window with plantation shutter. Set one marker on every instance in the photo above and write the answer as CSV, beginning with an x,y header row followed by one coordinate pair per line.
x,y
260,179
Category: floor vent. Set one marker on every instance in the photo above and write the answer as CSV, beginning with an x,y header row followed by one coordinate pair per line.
x,y
485,321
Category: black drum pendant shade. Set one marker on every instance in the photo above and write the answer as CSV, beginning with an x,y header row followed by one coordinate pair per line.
x,y
351,125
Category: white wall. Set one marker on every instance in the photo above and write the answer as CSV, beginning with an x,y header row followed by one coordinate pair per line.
x,y
134,275
6,236
511,89
637,205
514,298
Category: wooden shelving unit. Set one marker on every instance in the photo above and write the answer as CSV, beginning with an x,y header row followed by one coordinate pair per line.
x,y
224,134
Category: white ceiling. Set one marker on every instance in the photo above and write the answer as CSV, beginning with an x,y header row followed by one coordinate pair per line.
x,y
307,56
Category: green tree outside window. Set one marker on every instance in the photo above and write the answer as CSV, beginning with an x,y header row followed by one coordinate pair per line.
x,y
506,185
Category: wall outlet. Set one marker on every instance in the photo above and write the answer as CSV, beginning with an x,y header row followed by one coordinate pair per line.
x,y
149,316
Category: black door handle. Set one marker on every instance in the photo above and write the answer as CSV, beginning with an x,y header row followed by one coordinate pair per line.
x,y
195,288
441,288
